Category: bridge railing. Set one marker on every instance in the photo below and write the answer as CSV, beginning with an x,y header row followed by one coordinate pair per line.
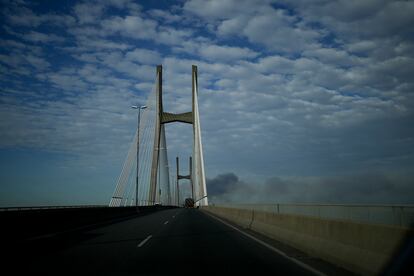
x,y
399,215
5,209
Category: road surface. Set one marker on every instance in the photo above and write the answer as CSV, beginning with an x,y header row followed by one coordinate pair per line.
x,y
174,241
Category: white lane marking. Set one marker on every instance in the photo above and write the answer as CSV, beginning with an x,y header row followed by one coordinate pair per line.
x,y
144,241
281,253
166,222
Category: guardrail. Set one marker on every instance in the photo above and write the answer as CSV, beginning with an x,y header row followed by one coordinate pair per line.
x,y
400,215
5,209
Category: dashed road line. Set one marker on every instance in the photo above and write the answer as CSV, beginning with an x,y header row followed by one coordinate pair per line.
x,y
144,241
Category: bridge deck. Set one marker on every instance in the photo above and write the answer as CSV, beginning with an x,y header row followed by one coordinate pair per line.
x,y
175,241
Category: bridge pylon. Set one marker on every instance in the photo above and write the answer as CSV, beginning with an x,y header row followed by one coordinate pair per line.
x,y
188,176
197,173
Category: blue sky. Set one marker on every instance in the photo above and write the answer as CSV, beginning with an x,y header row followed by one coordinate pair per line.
x,y
304,101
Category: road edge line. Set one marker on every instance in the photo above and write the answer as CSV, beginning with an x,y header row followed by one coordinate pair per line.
x,y
281,253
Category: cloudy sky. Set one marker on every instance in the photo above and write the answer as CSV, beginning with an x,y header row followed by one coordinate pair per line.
x,y
300,101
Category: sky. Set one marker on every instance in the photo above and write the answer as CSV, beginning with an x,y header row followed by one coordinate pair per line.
x,y
300,101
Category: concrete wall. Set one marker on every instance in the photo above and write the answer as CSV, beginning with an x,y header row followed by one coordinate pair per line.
x,y
359,247
398,215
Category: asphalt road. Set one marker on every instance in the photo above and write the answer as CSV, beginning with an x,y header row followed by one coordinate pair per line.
x,y
175,241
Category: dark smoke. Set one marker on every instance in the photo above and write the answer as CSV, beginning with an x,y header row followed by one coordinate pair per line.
x,y
222,184
369,188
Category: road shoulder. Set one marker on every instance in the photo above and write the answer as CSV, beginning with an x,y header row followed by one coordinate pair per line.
x,y
315,265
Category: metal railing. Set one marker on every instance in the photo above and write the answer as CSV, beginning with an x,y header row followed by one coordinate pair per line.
x,y
400,215
6,209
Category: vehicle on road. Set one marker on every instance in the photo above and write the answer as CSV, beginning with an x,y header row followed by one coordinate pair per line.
x,y
189,203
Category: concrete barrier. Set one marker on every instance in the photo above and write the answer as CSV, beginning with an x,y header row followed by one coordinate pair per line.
x,y
391,214
359,247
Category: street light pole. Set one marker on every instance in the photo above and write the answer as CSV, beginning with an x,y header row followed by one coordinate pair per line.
x,y
168,186
136,182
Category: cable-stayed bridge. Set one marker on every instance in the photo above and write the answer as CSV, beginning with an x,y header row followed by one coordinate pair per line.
x,y
149,150
142,231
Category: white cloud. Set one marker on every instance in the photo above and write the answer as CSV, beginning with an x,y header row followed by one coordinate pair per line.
x,y
334,57
42,37
137,27
70,125
226,53
23,60
93,11
218,9
172,36
165,16
232,26
131,26
117,61
129,5
37,62
362,47
23,16
278,32
66,81
88,12
359,19
143,56
88,44
258,21
12,44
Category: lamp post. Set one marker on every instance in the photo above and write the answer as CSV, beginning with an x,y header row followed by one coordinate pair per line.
x,y
136,182
168,187
178,193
